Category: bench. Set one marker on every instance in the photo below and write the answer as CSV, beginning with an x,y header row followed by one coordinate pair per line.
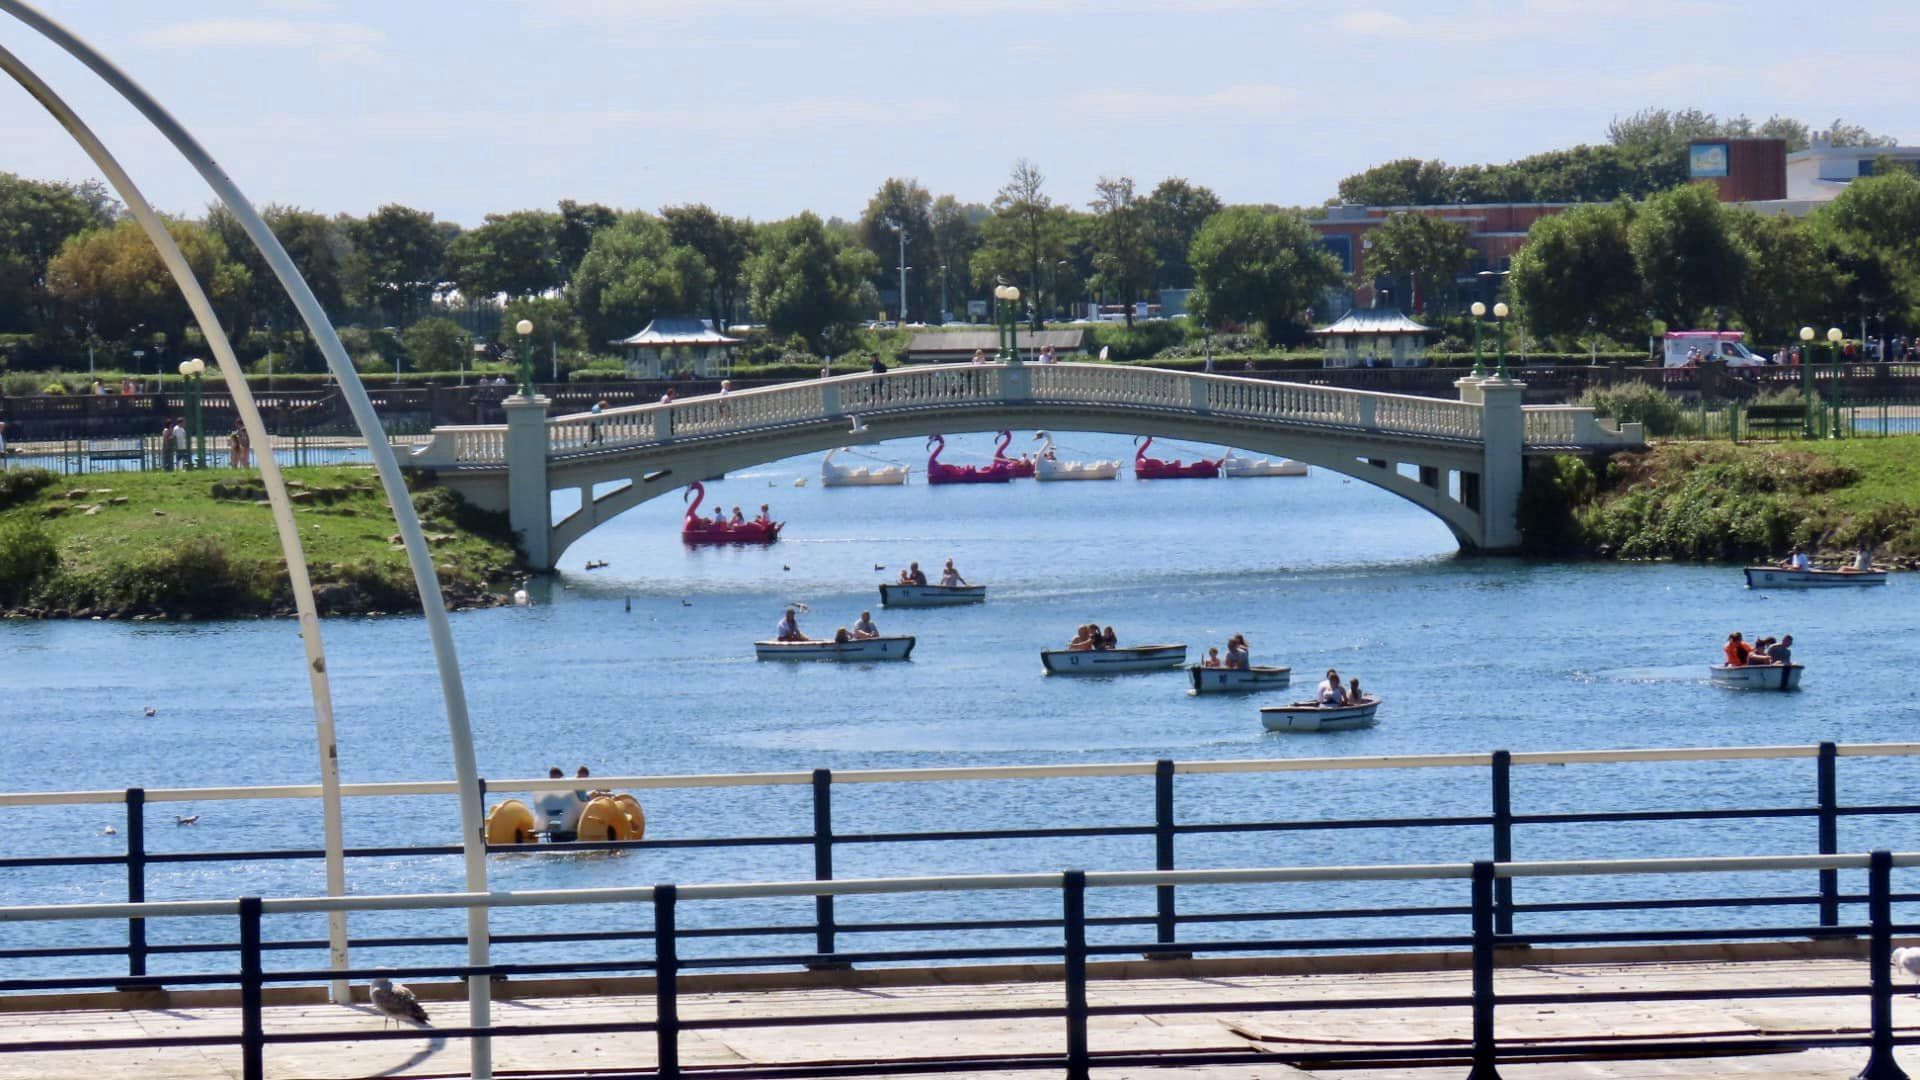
x,y
1791,417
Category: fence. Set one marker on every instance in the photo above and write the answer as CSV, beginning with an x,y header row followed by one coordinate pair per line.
x,y
1074,950
1828,417
81,457
824,841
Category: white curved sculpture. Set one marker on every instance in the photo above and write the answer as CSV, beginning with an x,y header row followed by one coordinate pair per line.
x,y
1048,467
832,475
1232,465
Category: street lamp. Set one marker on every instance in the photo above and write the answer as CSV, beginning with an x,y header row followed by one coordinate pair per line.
x,y
1006,313
943,294
194,371
1479,311
525,329
1806,382
1500,313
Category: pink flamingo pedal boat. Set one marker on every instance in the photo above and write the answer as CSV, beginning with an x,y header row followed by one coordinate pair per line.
x,y
938,472
695,529
1146,468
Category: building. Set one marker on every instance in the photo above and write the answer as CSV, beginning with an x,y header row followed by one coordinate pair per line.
x,y
678,345
1494,232
1375,337
1821,172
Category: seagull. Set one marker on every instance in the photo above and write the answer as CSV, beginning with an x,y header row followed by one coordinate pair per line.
x,y
879,566
1907,960
109,831
150,710
686,603
784,566
194,820
396,1002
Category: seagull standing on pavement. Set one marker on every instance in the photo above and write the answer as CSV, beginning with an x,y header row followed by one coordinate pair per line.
x,y
396,1002
1907,960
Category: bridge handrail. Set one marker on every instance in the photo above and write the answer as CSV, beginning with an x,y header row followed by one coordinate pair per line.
x,y
977,773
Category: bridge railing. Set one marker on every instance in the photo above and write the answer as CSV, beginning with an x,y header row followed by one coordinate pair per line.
x,y
1576,425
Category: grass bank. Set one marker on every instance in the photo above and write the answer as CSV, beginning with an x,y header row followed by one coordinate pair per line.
x,y
203,545
1713,502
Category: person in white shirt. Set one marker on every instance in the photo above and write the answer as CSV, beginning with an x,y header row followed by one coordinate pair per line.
x,y
949,577
560,810
1330,691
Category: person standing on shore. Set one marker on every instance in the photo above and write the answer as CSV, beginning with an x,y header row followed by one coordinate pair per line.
x,y
166,445
182,445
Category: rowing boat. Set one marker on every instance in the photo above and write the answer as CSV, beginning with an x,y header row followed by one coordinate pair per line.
x,y
1113,661
1777,577
1313,716
897,595
1221,680
1756,676
855,651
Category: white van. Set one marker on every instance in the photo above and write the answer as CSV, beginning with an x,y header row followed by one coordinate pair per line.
x,y
1687,347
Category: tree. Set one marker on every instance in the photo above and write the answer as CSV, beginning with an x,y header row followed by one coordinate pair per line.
x,y
318,248
723,242
1123,256
1175,211
901,205
956,236
435,344
114,278
1579,265
557,327
1257,264
1689,262
1427,251
578,224
1841,133
1868,232
633,273
516,253
37,218
1026,232
1790,279
804,280
1405,182
399,256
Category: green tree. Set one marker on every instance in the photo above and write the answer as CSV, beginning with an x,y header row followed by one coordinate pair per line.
x,y
435,344
1256,264
805,280
37,218
1175,211
1790,279
115,280
1405,182
557,327
1026,234
633,273
1690,264
1579,265
956,236
901,205
578,224
724,242
398,261
1427,251
1122,241
318,248
1869,233
515,253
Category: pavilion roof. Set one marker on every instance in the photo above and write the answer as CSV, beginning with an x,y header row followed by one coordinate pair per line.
x,y
1374,321
670,331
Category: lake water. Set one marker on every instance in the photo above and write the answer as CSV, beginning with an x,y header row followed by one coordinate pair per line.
x,y
647,666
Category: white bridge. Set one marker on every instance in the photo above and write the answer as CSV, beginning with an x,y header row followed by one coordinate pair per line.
x,y
1463,461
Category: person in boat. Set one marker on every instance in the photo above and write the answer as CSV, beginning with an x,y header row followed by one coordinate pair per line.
x,y
1085,639
1212,660
1108,640
1862,560
1354,696
1238,653
788,628
1330,692
1796,559
1782,652
560,810
950,578
864,629
766,515
1737,650
738,517
1759,653
913,575
842,636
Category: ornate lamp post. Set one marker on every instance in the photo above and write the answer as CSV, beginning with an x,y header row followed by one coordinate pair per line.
x,y
1806,382
194,371
1500,313
1007,314
1479,311
525,329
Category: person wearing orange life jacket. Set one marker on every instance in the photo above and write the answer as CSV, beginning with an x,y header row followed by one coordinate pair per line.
x,y
1737,650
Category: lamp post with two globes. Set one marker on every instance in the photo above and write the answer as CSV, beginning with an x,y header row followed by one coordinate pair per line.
x,y
1500,312
1007,314
194,372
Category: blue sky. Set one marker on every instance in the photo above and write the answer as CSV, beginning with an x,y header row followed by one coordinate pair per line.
x,y
763,108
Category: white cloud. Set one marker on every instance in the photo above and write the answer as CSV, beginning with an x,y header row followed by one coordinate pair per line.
x,y
264,33
1249,101
1377,23
641,11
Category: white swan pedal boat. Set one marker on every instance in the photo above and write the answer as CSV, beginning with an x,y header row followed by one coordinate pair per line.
x,y
856,651
896,595
1048,467
832,475
1233,465
1313,716
1777,577
1220,680
1757,676
1113,661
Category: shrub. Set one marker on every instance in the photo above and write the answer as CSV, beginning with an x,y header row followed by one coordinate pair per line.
x,y
19,485
1634,402
1555,491
28,556
195,577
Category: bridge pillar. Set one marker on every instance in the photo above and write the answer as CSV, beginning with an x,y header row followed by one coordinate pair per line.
x,y
529,503
1503,426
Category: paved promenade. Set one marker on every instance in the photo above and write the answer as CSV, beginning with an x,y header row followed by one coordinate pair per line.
x,y
1277,1036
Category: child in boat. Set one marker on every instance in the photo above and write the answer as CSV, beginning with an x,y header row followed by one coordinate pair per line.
x,y
913,575
766,516
841,636
1108,639
738,517
1737,650
1759,653
1354,696
1212,660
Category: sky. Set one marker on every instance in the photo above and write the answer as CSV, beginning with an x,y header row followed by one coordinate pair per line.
x,y
764,108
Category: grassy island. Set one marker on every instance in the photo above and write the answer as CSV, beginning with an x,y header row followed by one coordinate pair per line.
x,y
202,545
1711,502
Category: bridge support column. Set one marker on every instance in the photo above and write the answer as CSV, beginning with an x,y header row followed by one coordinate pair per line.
x,y
529,504
1503,429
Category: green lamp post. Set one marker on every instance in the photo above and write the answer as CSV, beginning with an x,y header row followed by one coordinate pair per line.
x,y
1834,337
1500,312
1007,309
1806,382
1479,365
194,372
525,329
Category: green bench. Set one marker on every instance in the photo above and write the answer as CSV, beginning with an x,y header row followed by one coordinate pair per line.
x,y
1775,418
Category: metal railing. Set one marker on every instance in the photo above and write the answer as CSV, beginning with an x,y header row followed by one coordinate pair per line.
x,y
824,839
1073,950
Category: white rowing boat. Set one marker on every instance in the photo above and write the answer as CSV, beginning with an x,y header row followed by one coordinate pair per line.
x,y
1776,577
1048,467
896,595
832,475
1220,680
1313,716
1757,676
1113,661
855,651
1232,465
